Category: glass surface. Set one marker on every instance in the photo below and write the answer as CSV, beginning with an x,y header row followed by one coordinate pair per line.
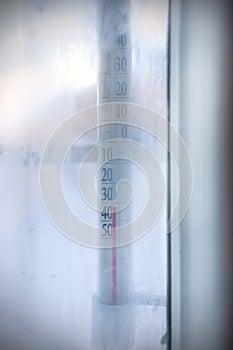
x,y
49,69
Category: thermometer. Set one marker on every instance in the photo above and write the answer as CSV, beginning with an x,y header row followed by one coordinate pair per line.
x,y
117,310
113,316
114,86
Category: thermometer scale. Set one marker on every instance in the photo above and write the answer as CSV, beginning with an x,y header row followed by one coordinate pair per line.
x,y
116,309
114,86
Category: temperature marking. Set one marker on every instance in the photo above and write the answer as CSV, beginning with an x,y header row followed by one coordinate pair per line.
x,y
115,65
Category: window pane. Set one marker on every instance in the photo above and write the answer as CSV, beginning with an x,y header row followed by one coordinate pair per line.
x,y
50,69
